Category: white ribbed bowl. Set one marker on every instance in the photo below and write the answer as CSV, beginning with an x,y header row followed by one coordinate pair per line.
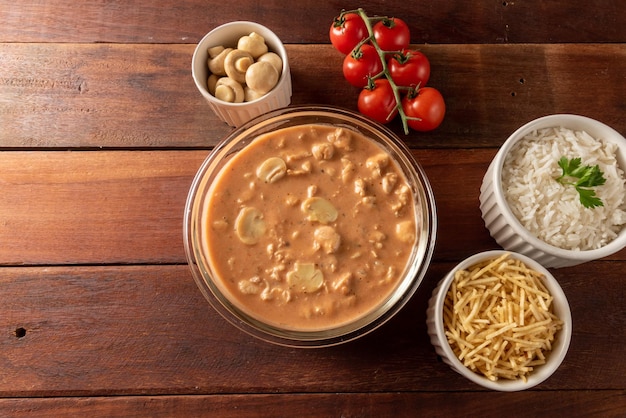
x,y
507,230
436,332
236,114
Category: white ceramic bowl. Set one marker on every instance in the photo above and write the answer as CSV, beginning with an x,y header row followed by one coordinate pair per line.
x,y
439,340
236,114
503,225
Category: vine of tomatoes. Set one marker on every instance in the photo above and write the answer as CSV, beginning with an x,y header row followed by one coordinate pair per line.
x,y
393,76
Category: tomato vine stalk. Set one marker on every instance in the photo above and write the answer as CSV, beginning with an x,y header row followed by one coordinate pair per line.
x,y
382,56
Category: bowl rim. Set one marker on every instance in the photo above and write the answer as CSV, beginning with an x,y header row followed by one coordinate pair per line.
x,y
561,119
275,43
560,304
390,306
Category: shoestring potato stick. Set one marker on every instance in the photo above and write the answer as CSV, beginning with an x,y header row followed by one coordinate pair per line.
x,y
498,318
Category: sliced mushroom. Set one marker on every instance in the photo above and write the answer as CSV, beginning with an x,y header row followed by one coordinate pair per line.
x,y
305,278
254,44
271,170
216,64
229,90
250,225
319,209
236,64
261,77
273,59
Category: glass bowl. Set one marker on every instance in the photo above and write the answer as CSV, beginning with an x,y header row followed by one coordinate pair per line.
x,y
224,301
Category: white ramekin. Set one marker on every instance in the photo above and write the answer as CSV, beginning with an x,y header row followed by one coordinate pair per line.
x,y
439,340
503,225
236,114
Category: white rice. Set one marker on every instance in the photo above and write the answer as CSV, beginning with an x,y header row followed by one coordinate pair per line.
x,y
552,211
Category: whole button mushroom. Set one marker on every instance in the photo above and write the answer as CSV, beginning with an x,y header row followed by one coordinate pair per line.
x,y
212,83
261,77
229,90
250,64
217,56
237,63
273,59
254,44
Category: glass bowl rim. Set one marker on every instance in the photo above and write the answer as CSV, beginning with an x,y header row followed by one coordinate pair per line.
x,y
414,273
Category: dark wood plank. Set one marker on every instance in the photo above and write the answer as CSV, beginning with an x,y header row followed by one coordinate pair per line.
x,y
99,313
431,21
82,95
101,95
607,404
93,207
127,206
146,330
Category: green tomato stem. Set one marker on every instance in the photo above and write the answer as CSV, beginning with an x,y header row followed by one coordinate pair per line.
x,y
385,72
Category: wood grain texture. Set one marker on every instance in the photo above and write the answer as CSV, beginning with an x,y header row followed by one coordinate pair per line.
x,y
94,207
102,131
607,404
147,330
142,96
97,207
430,21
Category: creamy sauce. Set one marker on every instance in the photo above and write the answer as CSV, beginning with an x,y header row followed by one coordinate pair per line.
x,y
310,227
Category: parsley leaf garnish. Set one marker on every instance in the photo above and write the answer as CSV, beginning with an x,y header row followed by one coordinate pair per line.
x,y
582,177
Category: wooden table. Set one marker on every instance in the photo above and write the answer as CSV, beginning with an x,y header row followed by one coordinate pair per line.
x,y
102,131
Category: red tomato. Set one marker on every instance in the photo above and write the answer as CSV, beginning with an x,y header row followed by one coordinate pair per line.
x,y
392,34
378,102
427,105
409,69
347,31
362,64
